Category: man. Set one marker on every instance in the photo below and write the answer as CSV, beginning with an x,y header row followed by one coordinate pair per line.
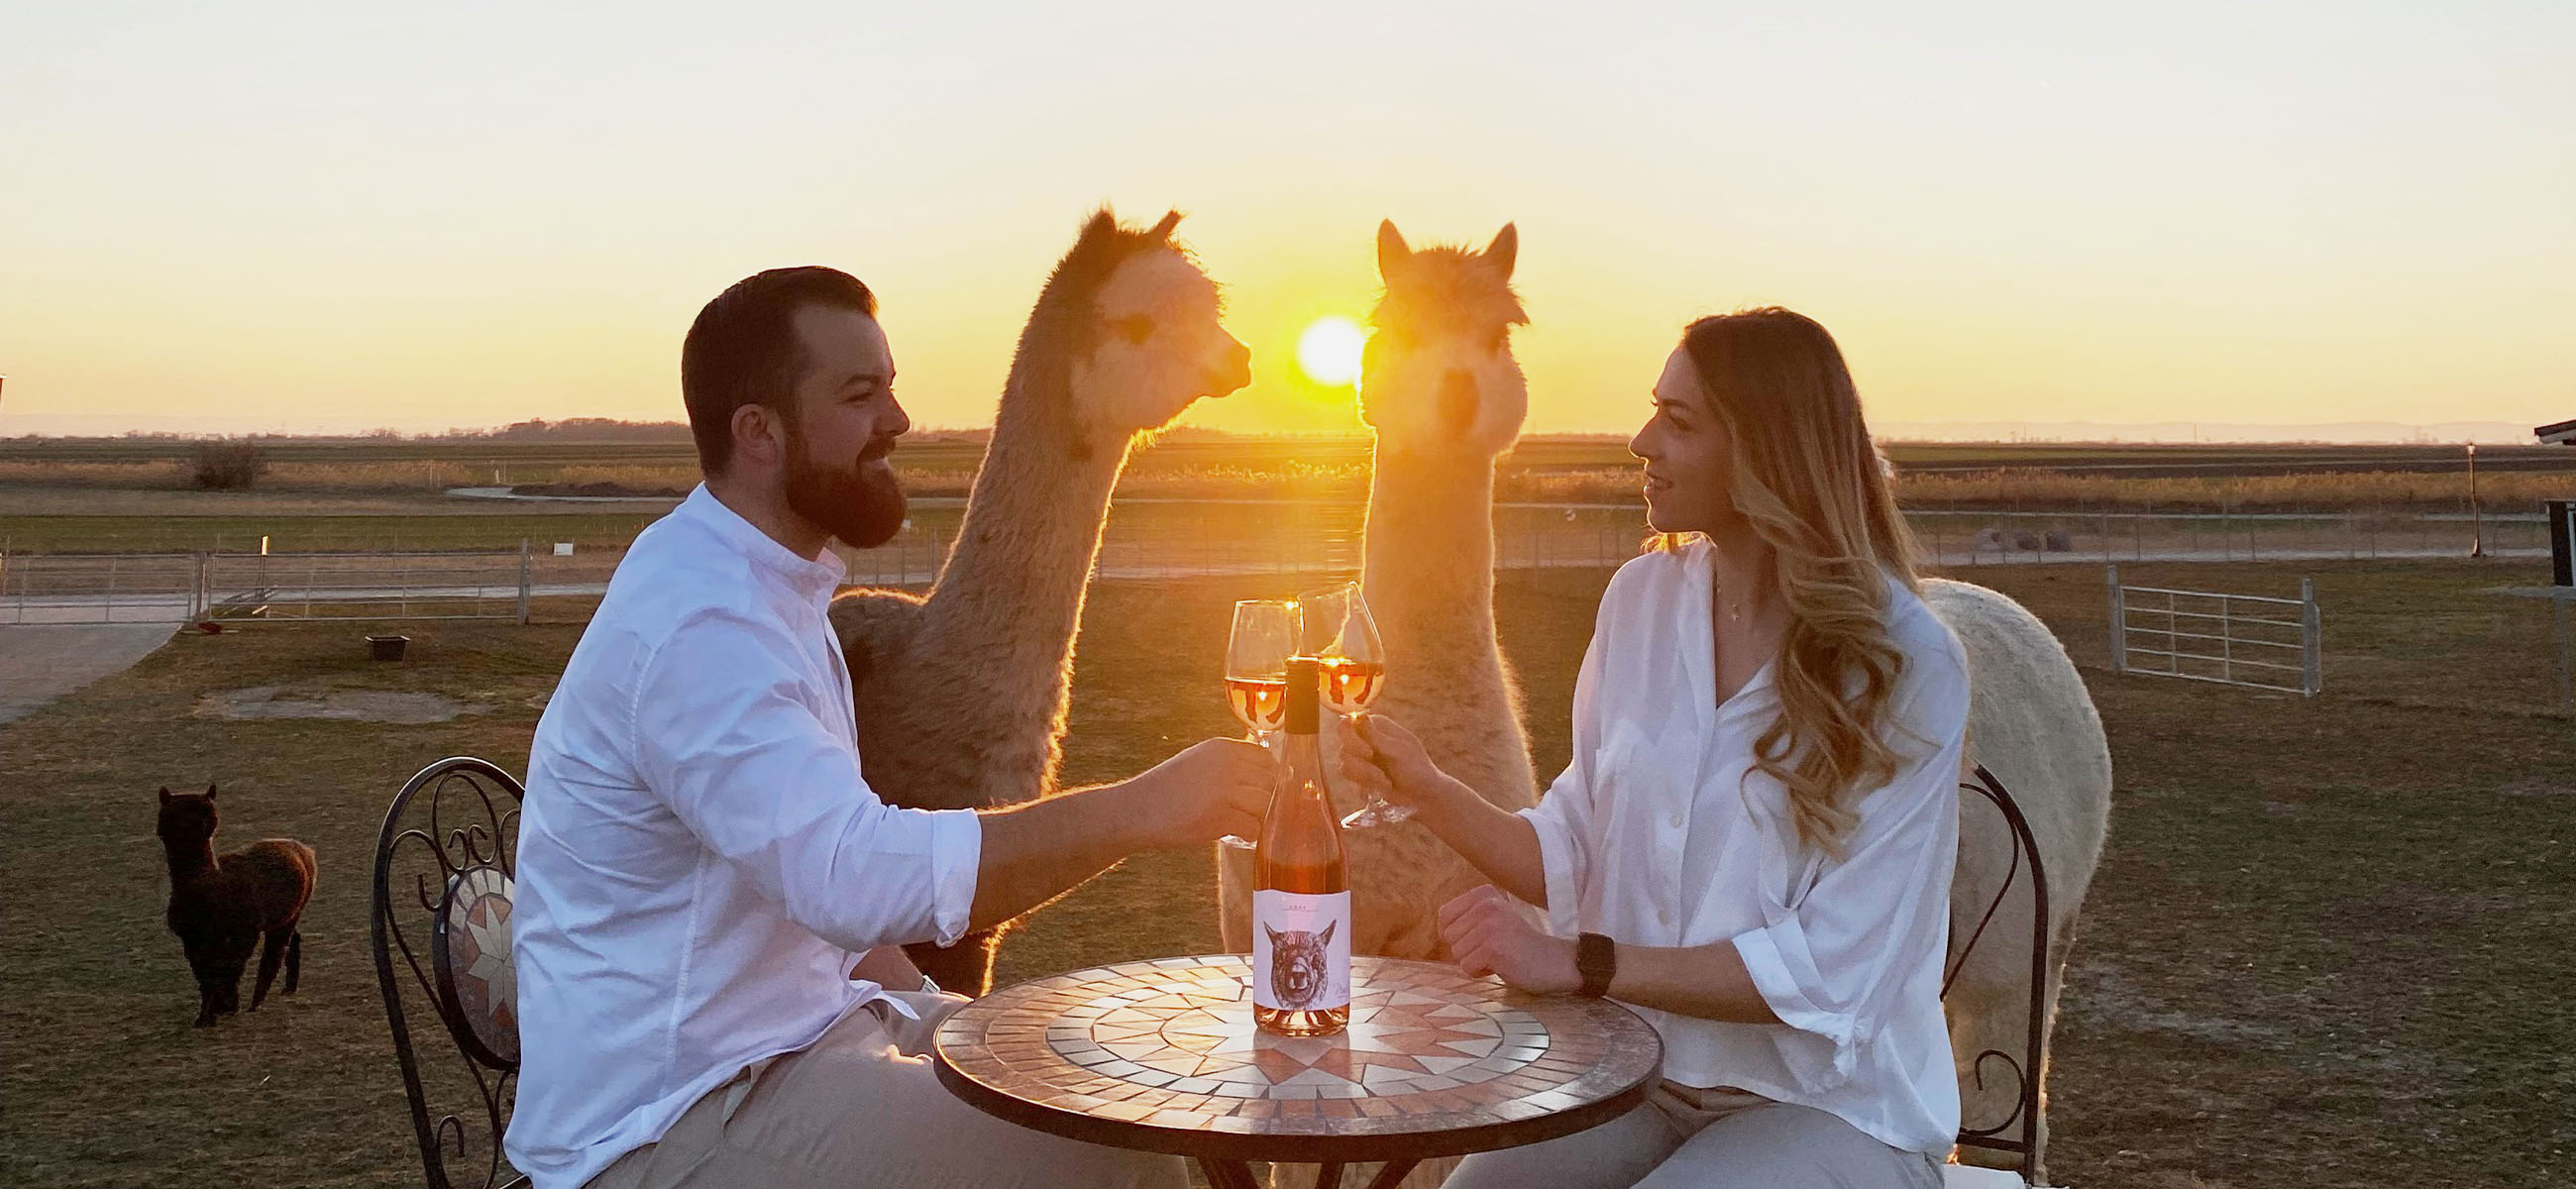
x,y
708,891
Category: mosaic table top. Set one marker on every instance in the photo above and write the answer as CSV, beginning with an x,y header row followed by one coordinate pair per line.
x,y
1162,1056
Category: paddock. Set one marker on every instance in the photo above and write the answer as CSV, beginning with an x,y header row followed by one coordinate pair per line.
x,y
2326,945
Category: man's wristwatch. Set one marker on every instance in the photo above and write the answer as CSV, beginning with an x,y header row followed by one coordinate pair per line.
x,y
1597,960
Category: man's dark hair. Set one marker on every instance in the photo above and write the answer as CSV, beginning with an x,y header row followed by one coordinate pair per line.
x,y
743,350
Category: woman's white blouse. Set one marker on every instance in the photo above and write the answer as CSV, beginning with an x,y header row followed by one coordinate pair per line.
x,y
1662,833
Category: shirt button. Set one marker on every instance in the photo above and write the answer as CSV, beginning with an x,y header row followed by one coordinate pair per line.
x,y
1676,819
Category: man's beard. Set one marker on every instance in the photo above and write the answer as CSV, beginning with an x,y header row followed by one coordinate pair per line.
x,y
858,503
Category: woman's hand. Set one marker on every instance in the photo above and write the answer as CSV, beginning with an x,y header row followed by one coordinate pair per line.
x,y
1489,934
1380,757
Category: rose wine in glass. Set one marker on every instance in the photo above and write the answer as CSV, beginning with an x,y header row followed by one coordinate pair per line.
x,y
1301,898
1260,702
1337,630
1256,671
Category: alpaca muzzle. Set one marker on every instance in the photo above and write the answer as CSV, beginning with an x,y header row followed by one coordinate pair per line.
x,y
1233,372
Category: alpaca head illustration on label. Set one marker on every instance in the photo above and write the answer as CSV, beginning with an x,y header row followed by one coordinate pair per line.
x,y
1300,968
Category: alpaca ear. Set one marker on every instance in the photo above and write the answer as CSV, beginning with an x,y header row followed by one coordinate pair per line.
x,y
210,792
1326,937
1163,230
165,794
1391,251
1103,222
1274,934
1505,249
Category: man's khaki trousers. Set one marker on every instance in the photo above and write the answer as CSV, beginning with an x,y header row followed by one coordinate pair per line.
x,y
862,1107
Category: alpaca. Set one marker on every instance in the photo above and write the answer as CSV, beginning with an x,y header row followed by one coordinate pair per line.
x,y
222,908
961,694
2030,723
1441,389
1446,398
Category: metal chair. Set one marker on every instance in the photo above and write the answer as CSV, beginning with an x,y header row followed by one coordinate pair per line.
x,y
445,863
2018,1133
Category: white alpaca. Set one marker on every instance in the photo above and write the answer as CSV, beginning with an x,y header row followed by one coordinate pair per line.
x,y
2030,723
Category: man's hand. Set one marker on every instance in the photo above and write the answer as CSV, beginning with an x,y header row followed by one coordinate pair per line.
x,y
1034,852
1220,786
1489,934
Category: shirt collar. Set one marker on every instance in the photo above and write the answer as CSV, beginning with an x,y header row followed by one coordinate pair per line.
x,y
1699,638
814,580
1699,641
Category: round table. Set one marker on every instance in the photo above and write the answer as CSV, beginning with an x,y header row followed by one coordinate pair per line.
x,y
1162,1056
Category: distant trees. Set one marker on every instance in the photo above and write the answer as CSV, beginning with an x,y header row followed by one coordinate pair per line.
x,y
226,466
586,429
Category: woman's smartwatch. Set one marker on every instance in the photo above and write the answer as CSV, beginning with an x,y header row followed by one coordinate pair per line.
x,y
1596,959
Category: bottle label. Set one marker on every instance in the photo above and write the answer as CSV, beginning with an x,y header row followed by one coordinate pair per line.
x,y
1301,950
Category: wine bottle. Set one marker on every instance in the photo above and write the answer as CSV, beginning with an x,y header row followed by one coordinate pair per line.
x,y
1301,899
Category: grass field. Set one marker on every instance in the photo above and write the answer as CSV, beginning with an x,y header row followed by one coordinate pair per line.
x,y
2327,946
111,477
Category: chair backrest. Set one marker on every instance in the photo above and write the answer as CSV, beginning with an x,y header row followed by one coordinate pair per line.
x,y
2018,1133
445,862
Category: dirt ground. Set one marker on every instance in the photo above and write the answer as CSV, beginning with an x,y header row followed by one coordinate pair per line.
x,y
2328,946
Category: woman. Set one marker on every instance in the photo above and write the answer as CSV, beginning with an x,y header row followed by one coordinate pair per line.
x,y
1753,843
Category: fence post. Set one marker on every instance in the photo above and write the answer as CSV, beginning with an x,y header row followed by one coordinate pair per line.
x,y
523,580
2119,620
2226,639
198,603
2309,638
2566,656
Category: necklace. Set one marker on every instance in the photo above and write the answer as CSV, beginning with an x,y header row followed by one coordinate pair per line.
x,y
1734,614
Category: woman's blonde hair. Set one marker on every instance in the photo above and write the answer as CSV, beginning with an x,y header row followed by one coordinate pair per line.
x,y
1815,489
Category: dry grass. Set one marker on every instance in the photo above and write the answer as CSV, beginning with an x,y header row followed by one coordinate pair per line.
x,y
2508,490
127,475
2327,945
1337,472
356,477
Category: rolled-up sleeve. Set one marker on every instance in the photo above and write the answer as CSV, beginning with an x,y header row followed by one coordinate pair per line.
x,y
1563,818
1834,964
723,737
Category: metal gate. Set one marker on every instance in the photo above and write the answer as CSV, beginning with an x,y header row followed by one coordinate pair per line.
x,y
2256,641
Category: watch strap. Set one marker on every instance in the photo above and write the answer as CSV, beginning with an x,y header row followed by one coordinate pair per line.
x,y
1596,959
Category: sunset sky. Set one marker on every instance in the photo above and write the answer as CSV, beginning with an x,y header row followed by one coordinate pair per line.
x,y
431,215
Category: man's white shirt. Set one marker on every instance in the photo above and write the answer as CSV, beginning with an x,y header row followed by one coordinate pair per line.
x,y
1662,833
700,862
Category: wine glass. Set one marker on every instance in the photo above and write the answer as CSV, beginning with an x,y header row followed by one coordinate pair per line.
x,y
1338,632
1256,671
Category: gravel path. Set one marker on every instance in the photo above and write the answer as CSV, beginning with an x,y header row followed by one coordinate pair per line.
x,y
41,662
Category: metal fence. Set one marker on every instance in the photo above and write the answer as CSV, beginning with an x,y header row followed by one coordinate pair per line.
x,y
187,587
1980,536
2256,641
1149,539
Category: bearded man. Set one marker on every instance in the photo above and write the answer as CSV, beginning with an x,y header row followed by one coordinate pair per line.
x,y
710,899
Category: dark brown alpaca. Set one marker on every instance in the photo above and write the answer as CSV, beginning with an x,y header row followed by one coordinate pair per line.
x,y
222,908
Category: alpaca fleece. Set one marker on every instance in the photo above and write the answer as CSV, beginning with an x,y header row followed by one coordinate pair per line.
x,y
222,909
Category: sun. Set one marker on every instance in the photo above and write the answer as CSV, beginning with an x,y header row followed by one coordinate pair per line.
x,y
1329,351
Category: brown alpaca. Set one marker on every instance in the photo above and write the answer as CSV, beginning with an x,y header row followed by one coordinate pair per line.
x,y
961,695
222,908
